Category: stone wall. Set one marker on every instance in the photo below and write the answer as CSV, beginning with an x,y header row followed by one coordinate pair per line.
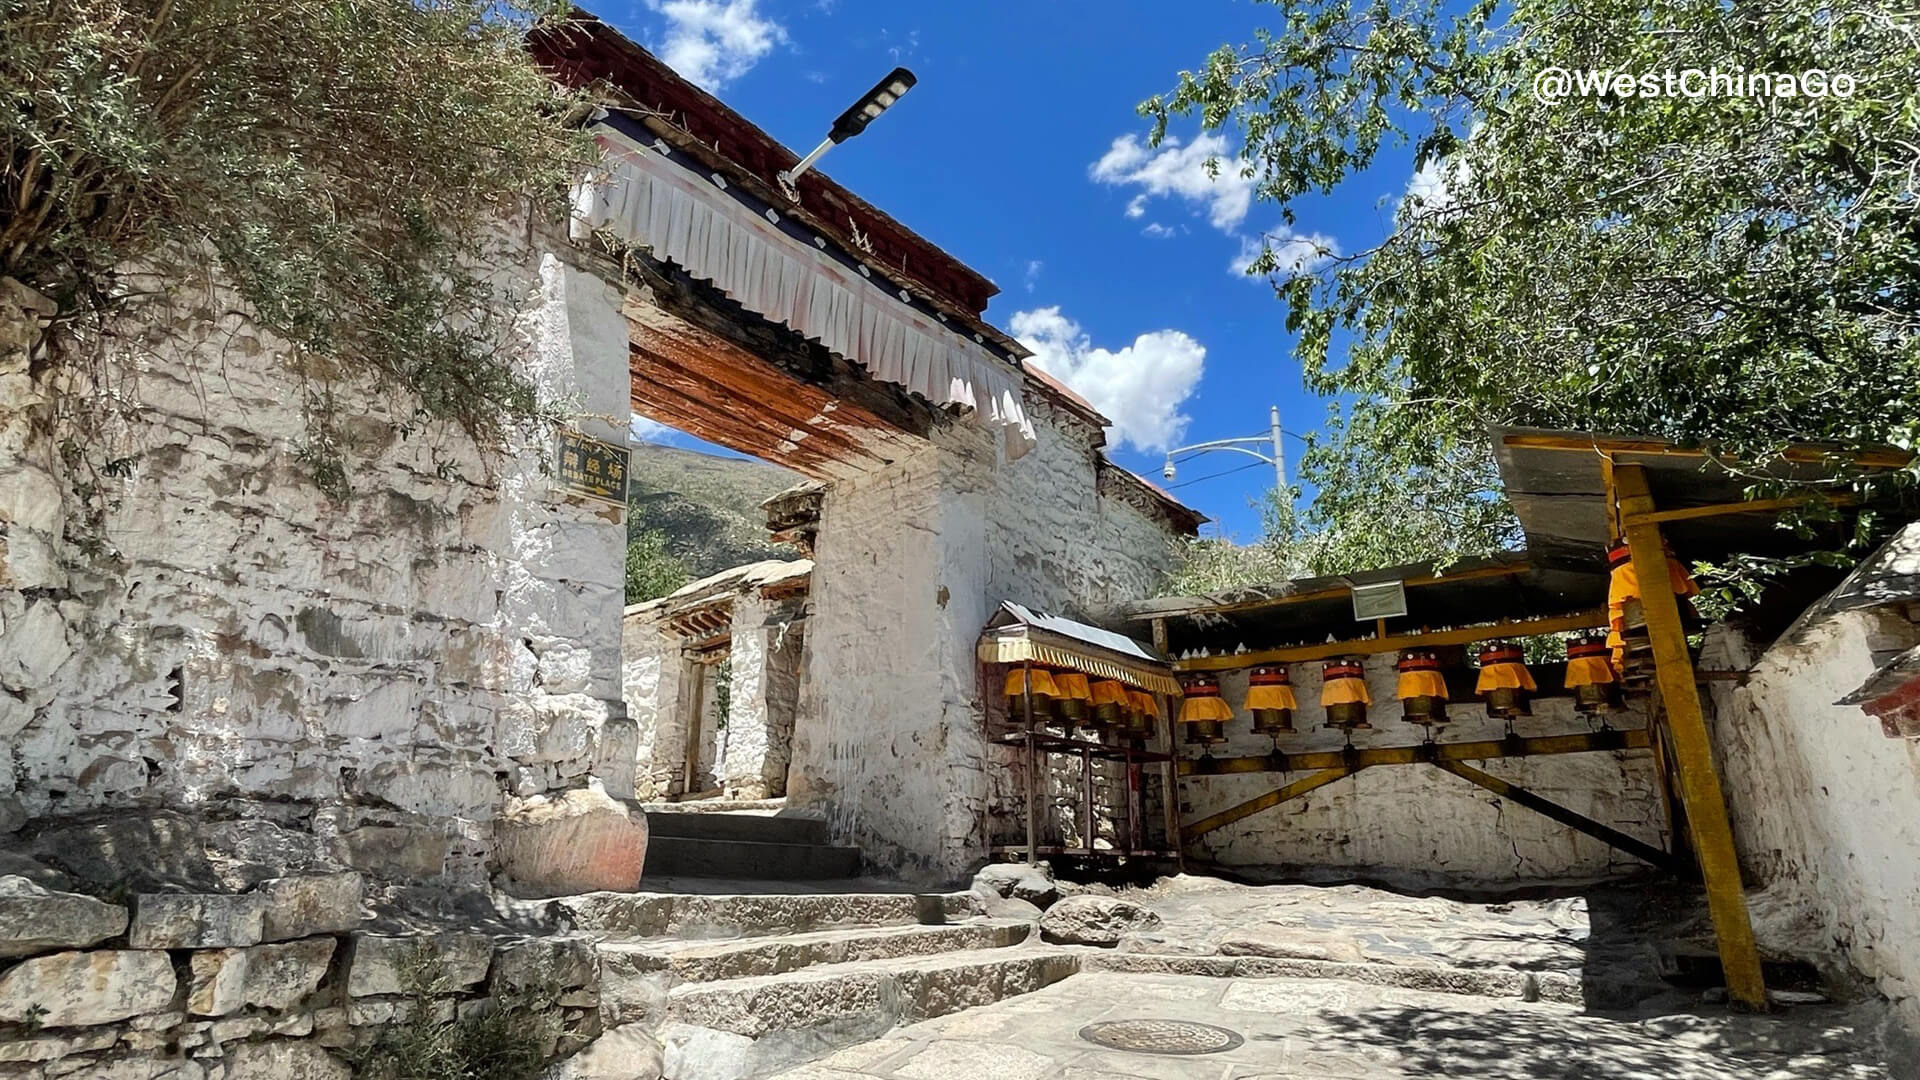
x,y
226,634
910,562
1413,824
1825,807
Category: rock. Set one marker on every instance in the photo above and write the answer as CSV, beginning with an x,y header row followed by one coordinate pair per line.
x,y
36,920
385,965
15,864
274,977
1165,945
993,905
1094,920
624,1053
75,989
284,1060
308,904
1018,881
143,1067
195,920
406,852
555,963
1293,944
580,841
52,1047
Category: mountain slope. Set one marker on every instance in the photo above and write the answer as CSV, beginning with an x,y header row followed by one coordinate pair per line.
x,y
705,508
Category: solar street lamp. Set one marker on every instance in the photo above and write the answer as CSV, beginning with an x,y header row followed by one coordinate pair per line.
x,y
855,119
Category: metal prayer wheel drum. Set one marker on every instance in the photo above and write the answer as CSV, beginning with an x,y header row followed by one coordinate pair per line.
x,y
1422,689
1505,683
1044,690
1203,712
1590,675
1142,712
1344,694
1111,703
1270,700
1075,699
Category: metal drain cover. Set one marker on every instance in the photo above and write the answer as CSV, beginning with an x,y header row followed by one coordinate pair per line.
x,y
1161,1036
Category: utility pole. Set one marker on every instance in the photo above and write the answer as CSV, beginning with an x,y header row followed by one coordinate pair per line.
x,y
1279,455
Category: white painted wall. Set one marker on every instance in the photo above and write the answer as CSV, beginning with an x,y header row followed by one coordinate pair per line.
x,y
1417,825
242,637
1825,808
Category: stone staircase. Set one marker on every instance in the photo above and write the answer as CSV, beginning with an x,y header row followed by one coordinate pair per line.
x,y
741,986
743,844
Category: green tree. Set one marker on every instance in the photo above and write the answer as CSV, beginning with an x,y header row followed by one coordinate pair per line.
x,y
652,570
1737,270
341,164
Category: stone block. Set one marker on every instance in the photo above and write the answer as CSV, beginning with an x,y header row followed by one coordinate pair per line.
x,y
54,1047
284,1060
195,920
138,1067
274,977
36,920
78,989
546,963
624,1053
1018,881
576,842
217,981
382,964
404,852
309,904
1094,920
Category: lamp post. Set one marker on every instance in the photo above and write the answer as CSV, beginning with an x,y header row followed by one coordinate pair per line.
x,y
1277,458
853,122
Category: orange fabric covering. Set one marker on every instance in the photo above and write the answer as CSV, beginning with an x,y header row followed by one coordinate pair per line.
x,y
1624,585
1111,692
1273,696
1504,677
1072,685
1198,708
1143,702
1589,671
1345,692
1043,684
1421,684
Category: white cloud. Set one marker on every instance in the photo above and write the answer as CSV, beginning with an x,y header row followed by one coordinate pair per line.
x,y
1139,387
1432,188
1293,253
641,429
1034,266
713,42
1158,231
1180,170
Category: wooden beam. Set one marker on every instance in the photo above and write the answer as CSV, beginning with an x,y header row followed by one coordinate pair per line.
x,y
1580,620
1329,593
1540,746
1573,819
1751,506
1866,459
1271,799
1705,804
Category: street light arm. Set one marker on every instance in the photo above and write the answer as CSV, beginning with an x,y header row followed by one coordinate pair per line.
x,y
1225,444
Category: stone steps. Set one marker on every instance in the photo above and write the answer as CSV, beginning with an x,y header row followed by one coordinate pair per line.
x,y
737,825
694,916
702,961
682,856
749,1026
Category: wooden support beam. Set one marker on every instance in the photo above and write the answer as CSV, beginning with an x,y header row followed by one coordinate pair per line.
x,y
1269,800
1573,819
1539,746
1866,459
1751,506
1330,593
1705,805
1581,620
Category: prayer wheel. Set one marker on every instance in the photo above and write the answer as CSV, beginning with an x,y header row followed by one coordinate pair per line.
x,y
1044,691
1590,675
1343,692
1203,710
1110,702
1270,699
1142,714
1626,623
1422,689
1074,698
1504,680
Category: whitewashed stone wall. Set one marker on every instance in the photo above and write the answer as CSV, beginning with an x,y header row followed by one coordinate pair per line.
x,y
1414,824
1825,807
655,678
446,637
910,562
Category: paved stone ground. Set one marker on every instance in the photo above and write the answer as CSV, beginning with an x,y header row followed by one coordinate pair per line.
x,y
1312,1028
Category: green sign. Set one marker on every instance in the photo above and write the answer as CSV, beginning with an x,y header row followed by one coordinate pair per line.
x,y
593,468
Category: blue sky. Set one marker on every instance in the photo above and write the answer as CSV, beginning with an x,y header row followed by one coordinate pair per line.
x,y
1020,153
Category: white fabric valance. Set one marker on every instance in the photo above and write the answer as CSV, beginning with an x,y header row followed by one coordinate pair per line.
x,y
683,217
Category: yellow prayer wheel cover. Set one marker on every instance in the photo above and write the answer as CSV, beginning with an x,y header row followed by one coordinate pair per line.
x,y
1421,684
1143,702
1205,708
1043,685
1110,692
1271,697
1589,671
1347,691
1072,686
1504,677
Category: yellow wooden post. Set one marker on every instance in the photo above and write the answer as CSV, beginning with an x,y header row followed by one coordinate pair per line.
x,y
1706,806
